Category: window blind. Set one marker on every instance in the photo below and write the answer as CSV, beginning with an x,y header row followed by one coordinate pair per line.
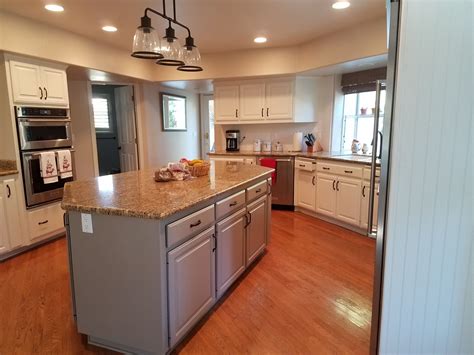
x,y
100,107
362,81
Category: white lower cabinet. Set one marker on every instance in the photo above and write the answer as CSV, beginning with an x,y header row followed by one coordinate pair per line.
x,y
326,194
230,254
11,233
256,228
305,190
348,200
364,205
191,283
45,221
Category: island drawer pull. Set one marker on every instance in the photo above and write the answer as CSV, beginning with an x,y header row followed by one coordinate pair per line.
x,y
233,204
192,225
348,171
43,222
325,168
258,191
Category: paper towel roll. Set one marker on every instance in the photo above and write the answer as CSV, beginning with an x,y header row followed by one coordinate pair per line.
x,y
297,141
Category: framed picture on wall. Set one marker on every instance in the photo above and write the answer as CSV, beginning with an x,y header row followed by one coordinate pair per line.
x,y
173,112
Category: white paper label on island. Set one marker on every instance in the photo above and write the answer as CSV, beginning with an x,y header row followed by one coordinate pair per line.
x,y
86,219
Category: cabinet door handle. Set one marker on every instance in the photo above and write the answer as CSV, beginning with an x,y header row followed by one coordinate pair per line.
x,y
337,185
334,185
9,191
43,222
363,191
41,91
45,94
233,204
192,225
312,180
215,242
236,113
262,111
348,171
267,111
250,218
324,168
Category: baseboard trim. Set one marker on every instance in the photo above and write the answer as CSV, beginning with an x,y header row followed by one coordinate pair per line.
x,y
21,250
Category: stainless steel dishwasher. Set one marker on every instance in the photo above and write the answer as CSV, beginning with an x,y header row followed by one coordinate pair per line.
x,y
283,188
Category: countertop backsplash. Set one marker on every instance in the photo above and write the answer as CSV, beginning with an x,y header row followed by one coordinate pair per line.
x,y
277,132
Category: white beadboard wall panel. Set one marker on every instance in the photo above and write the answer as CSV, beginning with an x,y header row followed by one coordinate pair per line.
x,y
427,298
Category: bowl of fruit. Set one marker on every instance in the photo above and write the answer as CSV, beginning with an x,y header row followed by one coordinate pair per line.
x,y
197,167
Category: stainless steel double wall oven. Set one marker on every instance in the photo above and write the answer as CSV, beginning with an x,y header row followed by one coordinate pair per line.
x,y
42,129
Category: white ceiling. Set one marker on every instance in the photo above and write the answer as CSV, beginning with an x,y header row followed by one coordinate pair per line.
x,y
217,25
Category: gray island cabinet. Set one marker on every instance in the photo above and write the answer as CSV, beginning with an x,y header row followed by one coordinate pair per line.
x,y
148,260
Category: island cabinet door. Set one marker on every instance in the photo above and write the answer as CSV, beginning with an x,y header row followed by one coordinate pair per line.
x,y
256,229
230,250
191,283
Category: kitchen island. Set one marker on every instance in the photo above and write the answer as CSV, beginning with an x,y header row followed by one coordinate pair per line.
x,y
148,260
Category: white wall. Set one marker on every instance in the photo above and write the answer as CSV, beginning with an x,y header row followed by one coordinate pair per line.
x,y
160,147
427,302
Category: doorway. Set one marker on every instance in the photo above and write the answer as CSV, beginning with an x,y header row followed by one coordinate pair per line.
x,y
207,124
114,123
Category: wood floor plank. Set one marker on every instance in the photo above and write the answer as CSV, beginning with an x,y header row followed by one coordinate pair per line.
x,y
309,294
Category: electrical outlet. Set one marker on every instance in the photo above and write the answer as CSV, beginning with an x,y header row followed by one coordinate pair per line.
x,y
86,220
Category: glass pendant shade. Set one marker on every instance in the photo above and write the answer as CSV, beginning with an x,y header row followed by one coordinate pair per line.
x,y
191,58
171,49
146,42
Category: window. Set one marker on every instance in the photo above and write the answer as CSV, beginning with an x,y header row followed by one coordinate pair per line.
x,y
100,107
173,112
358,120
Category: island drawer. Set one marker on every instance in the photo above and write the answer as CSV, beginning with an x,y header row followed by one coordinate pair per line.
x,y
256,190
230,204
179,231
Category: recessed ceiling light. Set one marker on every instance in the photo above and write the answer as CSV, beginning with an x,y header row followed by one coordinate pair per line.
x,y
260,40
339,5
54,8
109,29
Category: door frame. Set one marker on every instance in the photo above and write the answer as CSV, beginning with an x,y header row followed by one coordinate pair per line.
x,y
138,122
204,118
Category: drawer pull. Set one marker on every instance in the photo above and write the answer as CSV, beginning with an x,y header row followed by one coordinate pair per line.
x,y
258,191
324,168
233,204
302,166
192,225
348,171
43,222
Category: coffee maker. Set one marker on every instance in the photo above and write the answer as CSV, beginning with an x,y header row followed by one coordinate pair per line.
x,y
232,140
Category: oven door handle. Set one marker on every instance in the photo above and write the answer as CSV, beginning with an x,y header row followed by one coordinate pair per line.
x,y
44,120
32,155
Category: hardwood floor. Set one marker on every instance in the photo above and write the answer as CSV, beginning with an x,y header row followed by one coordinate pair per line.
x,y
310,293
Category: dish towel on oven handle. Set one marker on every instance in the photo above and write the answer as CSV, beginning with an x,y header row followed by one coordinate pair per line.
x,y
64,163
49,171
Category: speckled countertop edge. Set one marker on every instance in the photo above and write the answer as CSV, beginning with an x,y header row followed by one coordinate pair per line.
x,y
108,210
336,156
8,167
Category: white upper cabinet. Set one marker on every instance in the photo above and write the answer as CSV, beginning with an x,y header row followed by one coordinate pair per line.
x,y
54,86
38,84
252,101
226,99
26,83
286,99
279,100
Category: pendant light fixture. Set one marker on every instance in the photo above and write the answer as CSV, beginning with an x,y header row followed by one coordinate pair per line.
x,y
168,50
146,42
191,57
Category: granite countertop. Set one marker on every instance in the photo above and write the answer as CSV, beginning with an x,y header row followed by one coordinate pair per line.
x,y
8,167
337,156
136,194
